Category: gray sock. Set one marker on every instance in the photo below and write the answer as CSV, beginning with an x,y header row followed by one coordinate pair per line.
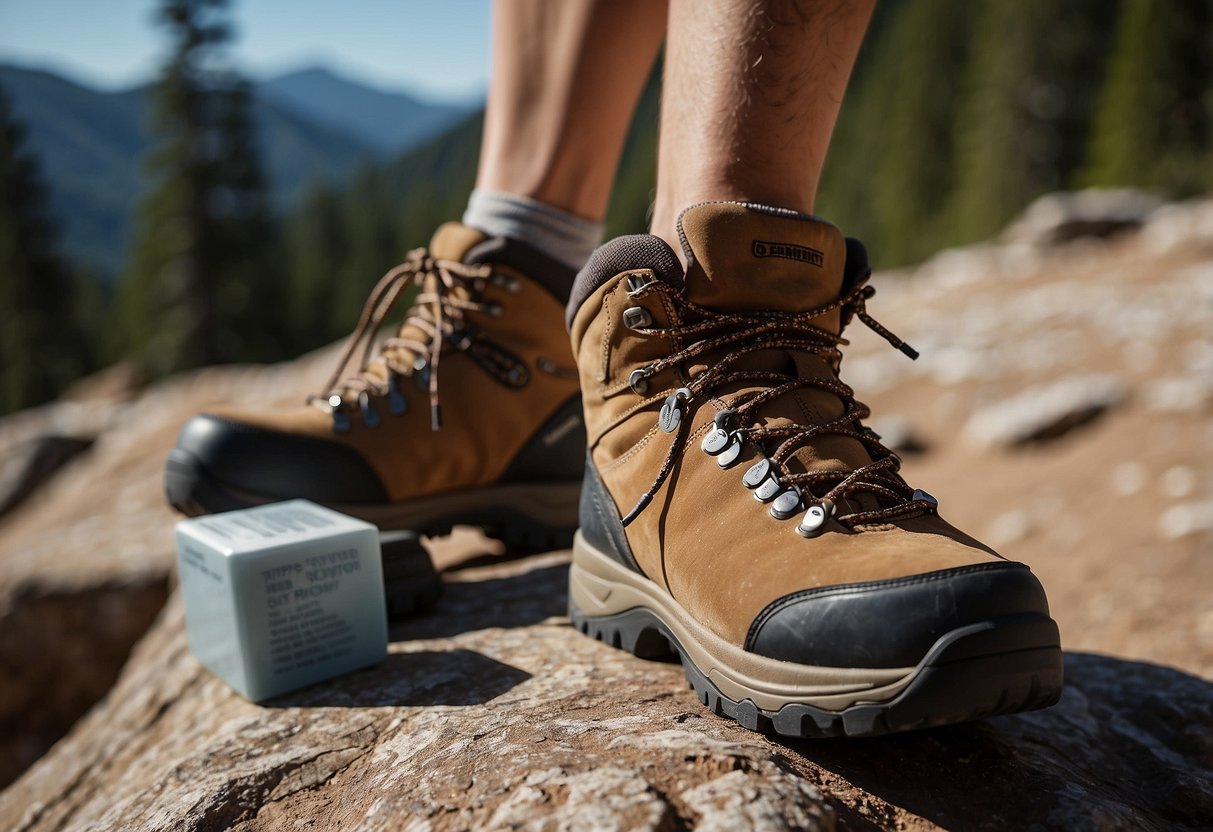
x,y
555,232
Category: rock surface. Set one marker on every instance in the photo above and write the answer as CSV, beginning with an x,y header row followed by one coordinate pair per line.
x,y
29,464
1040,414
492,712
86,558
61,651
1095,212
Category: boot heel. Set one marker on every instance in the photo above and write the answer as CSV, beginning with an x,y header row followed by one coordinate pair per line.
x,y
637,631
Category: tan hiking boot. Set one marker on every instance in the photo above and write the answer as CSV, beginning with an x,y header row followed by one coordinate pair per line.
x,y
469,415
736,510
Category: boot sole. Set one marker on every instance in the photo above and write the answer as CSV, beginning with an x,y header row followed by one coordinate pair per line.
x,y
1004,665
525,517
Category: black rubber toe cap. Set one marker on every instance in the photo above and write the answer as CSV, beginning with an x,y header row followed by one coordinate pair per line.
x,y
891,623
279,465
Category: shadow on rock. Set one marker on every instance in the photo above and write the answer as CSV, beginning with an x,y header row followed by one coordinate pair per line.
x,y
420,679
1129,746
61,649
514,601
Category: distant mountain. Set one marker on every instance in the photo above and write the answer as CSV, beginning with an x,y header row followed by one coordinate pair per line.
x,y
91,146
390,121
88,147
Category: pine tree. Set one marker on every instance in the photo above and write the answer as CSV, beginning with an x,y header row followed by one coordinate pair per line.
x,y
1026,106
316,243
42,346
429,186
204,282
635,185
889,171
341,242
372,246
1154,122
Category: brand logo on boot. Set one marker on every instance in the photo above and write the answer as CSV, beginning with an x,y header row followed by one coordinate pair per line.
x,y
788,251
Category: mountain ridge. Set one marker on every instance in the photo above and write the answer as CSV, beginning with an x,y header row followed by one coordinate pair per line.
x,y
391,120
90,145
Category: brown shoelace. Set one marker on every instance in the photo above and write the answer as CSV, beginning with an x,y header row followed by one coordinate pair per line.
x,y
437,312
727,338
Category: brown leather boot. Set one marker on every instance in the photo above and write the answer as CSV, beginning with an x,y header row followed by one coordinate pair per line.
x,y
736,511
469,415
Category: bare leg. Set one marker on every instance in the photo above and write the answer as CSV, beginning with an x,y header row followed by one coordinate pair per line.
x,y
565,78
752,92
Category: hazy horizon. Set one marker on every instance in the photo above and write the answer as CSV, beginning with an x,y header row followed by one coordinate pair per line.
x,y
436,52
352,77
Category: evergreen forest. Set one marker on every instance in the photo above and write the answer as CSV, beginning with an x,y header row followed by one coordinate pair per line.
x,y
958,115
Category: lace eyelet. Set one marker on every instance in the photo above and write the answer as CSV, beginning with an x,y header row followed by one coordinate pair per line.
x,y
639,381
637,317
396,403
786,504
505,281
725,419
421,373
768,489
714,441
756,473
729,456
638,282
671,411
341,421
370,417
814,520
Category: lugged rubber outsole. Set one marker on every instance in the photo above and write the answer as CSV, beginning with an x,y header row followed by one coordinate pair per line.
x,y
1004,665
945,691
525,519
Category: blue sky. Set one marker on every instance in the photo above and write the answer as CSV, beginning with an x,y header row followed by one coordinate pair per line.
x,y
437,49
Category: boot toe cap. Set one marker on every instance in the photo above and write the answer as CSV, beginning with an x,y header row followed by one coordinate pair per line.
x,y
278,465
891,623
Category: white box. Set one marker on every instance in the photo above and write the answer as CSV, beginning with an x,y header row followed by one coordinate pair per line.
x,y
282,596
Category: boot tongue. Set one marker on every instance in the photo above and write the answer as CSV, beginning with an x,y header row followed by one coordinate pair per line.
x,y
748,258
452,241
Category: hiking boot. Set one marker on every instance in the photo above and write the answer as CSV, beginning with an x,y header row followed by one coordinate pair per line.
x,y
737,512
470,414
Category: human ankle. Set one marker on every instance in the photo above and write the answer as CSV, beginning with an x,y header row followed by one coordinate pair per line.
x,y
559,234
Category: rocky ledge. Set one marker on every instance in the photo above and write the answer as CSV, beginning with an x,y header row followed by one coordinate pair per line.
x,y
492,713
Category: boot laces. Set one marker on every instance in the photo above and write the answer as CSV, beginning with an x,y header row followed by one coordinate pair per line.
x,y
437,313
725,338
